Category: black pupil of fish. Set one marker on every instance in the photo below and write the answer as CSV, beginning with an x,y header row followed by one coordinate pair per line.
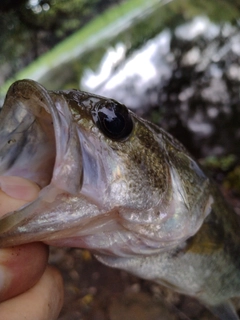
x,y
114,120
114,124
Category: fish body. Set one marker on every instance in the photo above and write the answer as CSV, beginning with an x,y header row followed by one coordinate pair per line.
x,y
121,187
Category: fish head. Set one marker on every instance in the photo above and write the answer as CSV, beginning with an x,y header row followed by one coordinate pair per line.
x,y
110,181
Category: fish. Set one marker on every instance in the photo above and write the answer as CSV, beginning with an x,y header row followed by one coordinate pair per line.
x,y
121,187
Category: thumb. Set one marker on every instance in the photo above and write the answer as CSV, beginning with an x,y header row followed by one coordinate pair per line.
x,y
20,266
15,192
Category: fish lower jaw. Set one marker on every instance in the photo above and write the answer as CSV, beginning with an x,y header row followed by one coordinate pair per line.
x,y
106,235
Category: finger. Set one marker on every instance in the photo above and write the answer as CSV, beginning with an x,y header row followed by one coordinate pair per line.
x,y
21,267
15,192
42,302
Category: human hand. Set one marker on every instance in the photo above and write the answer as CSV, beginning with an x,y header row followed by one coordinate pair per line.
x,y
29,289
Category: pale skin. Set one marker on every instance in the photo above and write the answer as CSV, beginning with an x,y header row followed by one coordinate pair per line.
x,y
29,287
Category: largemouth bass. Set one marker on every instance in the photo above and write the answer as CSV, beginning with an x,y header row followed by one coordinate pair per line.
x,y
121,187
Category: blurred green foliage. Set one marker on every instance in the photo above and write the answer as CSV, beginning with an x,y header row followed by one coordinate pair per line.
x,y
232,180
229,169
223,163
30,28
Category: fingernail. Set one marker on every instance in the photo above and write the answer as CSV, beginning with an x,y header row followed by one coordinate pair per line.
x,y
19,188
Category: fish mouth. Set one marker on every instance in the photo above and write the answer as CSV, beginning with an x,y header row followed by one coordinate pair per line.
x,y
36,127
38,141
27,134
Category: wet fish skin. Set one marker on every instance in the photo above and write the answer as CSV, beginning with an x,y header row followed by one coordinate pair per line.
x,y
136,198
206,266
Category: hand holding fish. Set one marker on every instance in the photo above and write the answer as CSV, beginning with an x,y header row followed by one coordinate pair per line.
x,y
27,284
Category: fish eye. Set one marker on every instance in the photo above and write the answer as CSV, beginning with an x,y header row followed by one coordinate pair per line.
x,y
113,119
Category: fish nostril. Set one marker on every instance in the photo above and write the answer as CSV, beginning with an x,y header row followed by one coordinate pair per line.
x,y
11,141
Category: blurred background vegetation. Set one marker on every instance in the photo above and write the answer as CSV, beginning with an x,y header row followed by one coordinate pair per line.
x,y
30,28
